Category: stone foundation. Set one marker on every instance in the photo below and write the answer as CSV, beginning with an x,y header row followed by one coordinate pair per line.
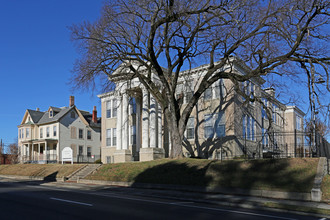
x,y
147,154
122,156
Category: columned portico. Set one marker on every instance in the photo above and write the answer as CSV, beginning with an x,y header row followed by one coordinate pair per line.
x,y
40,151
151,129
122,153
146,121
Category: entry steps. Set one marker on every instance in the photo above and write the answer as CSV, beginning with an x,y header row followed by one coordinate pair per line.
x,y
85,171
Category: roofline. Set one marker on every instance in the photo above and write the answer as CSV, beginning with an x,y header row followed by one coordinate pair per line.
x,y
104,95
297,109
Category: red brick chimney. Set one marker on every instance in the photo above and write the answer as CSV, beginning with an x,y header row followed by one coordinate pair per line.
x,y
94,118
71,101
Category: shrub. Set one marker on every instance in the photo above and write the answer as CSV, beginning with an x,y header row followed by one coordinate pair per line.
x,y
98,161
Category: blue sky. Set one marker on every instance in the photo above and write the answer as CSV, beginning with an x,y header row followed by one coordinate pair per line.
x,y
36,57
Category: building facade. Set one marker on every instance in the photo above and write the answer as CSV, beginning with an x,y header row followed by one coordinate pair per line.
x,y
43,135
222,125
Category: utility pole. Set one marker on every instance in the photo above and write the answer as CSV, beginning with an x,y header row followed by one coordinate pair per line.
x,y
313,109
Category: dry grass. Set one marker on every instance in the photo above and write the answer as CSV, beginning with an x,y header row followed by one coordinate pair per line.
x,y
297,208
294,175
39,170
326,189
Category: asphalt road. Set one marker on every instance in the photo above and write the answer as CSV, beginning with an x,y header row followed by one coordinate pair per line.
x,y
27,200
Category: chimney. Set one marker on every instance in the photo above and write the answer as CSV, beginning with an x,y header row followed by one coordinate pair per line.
x,y
71,101
38,109
270,91
94,118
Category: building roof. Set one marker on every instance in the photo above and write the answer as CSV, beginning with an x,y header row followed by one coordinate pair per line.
x,y
35,115
41,118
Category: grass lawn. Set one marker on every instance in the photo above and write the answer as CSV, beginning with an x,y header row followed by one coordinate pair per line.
x,y
326,189
39,170
292,175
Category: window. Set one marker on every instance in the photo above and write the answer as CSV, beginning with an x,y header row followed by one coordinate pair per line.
x,y
298,122
248,124
108,137
299,142
22,132
208,93
72,114
47,132
133,133
41,133
73,133
191,128
89,151
81,133
215,124
132,104
251,92
114,137
208,126
108,159
27,132
111,108
220,125
114,108
252,129
248,88
89,135
51,113
219,89
108,107
275,113
81,150
54,131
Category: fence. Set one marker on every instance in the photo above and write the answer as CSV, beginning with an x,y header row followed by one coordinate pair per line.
x,y
323,147
275,145
86,158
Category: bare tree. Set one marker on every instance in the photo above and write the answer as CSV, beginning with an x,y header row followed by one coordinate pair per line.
x,y
13,152
164,37
320,128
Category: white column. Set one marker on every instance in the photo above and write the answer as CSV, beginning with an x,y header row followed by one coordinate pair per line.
x,y
38,151
160,126
153,122
58,152
137,124
119,122
28,152
125,130
145,118
45,152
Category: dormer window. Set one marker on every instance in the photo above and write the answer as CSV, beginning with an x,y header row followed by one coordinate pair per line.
x,y
51,113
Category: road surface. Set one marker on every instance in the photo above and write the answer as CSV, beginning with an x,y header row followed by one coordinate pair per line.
x,y
29,200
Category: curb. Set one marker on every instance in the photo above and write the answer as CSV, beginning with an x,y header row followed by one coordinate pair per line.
x,y
30,178
256,193
316,193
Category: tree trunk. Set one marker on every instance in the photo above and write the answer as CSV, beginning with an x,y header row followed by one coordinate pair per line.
x,y
176,135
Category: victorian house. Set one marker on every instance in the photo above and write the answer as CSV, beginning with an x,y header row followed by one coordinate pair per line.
x,y
43,135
